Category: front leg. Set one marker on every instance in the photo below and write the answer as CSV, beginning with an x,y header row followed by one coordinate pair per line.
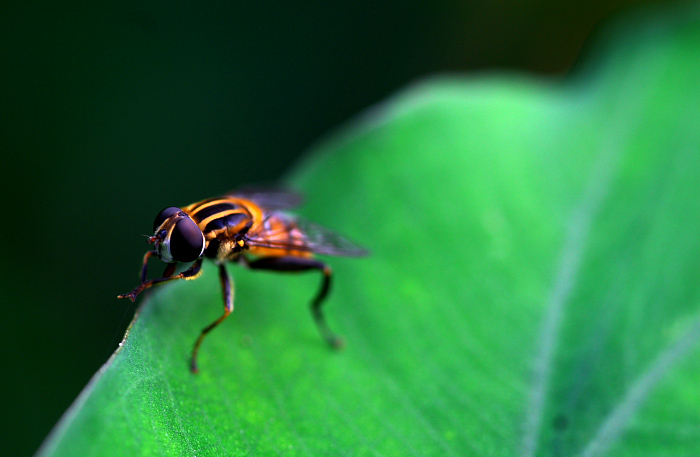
x,y
289,263
144,268
190,273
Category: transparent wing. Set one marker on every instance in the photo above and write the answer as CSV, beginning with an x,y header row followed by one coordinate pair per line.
x,y
274,197
294,233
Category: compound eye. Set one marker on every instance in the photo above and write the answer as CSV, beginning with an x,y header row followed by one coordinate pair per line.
x,y
163,215
186,241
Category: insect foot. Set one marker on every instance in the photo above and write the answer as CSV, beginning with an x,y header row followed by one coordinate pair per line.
x,y
131,295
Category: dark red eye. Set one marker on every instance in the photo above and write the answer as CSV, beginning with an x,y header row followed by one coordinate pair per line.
x,y
163,215
186,241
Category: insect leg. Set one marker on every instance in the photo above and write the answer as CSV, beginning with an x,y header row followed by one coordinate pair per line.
x,y
227,289
169,270
304,264
144,268
190,273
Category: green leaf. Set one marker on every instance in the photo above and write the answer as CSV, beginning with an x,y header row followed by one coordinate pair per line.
x,y
532,288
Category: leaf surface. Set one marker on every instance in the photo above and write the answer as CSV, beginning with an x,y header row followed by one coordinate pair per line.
x,y
532,288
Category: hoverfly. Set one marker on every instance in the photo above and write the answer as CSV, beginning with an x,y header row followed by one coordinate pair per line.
x,y
250,228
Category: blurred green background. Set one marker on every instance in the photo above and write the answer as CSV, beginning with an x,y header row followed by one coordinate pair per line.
x,y
111,112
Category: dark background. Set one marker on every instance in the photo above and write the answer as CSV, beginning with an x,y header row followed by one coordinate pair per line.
x,y
111,112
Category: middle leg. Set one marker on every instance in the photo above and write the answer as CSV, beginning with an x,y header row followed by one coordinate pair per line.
x,y
227,289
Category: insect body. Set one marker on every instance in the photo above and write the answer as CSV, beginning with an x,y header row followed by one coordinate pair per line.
x,y
248,228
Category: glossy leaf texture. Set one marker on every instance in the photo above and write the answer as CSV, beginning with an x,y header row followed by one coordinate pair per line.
x,y
533,284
